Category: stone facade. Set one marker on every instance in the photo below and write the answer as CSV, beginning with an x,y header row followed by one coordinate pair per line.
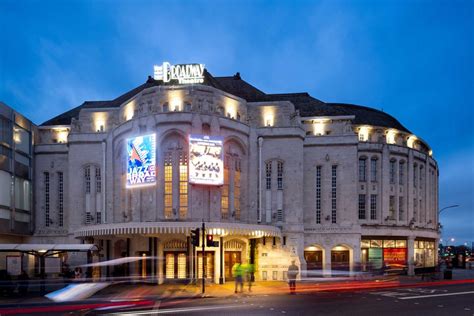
x,y
324,184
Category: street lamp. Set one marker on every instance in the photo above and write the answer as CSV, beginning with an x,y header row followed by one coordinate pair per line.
x,y
444,208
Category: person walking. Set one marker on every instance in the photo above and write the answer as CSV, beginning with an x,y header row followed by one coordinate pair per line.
x,y
293,271
237,270
249,270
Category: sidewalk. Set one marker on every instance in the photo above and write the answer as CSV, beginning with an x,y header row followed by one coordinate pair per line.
x,y
190,291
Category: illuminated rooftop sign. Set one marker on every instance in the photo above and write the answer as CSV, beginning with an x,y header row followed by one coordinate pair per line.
x,y
141,160
185,74
206,160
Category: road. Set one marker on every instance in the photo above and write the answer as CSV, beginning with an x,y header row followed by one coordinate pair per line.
x,y
438,300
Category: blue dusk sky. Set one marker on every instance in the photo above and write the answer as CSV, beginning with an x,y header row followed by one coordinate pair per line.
x,y
413,59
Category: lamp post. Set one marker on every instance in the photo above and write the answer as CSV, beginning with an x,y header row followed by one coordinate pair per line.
x,y
444,208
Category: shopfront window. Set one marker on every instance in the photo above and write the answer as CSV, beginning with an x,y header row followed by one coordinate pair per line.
x,y
375,253
424,253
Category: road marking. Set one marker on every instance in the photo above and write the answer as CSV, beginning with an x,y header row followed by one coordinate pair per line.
x,y
436,295
440,306
177,310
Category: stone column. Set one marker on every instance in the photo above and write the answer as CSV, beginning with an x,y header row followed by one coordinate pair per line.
x,y
160,263
327,261
411,255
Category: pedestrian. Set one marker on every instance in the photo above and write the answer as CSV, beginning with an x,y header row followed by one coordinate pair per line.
x,y
237,270
78,274
293,272
249,270
24,283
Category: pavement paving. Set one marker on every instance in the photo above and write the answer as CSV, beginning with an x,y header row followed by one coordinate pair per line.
x,y
176,291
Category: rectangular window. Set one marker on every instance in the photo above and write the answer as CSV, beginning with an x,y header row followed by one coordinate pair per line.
x,y
225,190
401,172
362,169
183,185
334,194
421,177
362,206
268,175
373,206
401,209
318,195
391,209
280,216
60,199
98,181
373,170
237,190
47,219
280,175
392,171
87,178
168,173
415,176
415,209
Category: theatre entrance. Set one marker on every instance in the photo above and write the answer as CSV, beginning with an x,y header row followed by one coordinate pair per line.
x,y
209,255
314,259
231,258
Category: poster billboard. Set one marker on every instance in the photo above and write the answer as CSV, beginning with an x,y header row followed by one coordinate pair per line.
x,y
141,160
375,258
395,256
206,164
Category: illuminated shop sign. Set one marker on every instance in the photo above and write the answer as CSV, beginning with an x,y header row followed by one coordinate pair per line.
x,y
206,160
395,255
189,73
141,160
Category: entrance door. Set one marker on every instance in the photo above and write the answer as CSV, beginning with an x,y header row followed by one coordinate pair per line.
x,y
175,265
340,260
230,258
209,255
314,259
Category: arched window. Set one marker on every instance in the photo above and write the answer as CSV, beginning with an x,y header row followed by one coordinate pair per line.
x,y
175,172
231,190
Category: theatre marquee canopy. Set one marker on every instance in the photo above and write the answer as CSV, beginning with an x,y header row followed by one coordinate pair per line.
x,y
151,228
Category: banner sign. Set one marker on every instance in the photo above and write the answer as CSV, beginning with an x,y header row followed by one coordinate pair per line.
x,y
395,255
206,160
141,160
375,258
185,74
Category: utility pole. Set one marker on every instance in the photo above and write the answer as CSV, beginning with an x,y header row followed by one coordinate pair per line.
x,y
203,258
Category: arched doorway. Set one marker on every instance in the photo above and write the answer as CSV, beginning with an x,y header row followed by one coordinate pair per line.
x,y
340,258
232,254
313,255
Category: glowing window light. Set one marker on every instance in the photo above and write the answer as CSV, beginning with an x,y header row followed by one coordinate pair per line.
x,y
391,136
99,120
411,141
176,104
430,153
319,128
129,111
364,132
268,116
61,135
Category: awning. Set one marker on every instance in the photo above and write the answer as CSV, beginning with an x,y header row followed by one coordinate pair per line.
x,y
43,248
153,228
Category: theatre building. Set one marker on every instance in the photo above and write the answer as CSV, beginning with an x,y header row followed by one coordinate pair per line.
x,y
275,178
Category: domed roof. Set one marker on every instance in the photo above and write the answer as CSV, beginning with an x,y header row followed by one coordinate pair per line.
x,y
235,85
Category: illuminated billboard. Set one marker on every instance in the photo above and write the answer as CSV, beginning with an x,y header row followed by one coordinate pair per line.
x,y
206,160
141,160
